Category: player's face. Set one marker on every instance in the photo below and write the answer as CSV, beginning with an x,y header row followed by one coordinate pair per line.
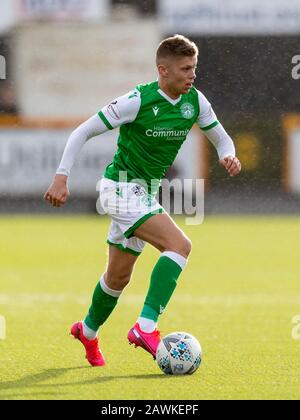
x,y
181,74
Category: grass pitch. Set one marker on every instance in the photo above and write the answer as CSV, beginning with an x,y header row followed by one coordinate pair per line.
x,y
238,296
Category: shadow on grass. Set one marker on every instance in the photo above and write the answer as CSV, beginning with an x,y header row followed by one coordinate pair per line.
x,y
36,381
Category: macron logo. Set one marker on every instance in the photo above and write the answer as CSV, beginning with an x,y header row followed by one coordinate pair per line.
x,y
155,110
161,309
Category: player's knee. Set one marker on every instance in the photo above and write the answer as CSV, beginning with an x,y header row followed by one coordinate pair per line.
x,y
186,247
124,280
118,281
183,247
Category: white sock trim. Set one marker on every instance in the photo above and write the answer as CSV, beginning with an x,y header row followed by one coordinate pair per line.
x,y
108,291
179,259
147,325
88,333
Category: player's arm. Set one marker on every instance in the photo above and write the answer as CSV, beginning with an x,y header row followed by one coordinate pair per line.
x,y
58,192
121,111
218,136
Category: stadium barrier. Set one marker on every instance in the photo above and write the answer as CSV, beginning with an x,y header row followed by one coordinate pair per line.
x,y
31,149
291,154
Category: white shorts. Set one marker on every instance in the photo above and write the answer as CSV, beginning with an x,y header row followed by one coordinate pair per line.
x,y
129,206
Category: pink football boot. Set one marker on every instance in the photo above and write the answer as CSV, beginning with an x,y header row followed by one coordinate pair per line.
x,y
148,341
93,353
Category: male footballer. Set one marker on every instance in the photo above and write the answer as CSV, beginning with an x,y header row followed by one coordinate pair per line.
x,y
154,121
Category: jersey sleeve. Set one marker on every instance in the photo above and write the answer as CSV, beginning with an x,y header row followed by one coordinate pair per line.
x,y
207,118
221,141
122,110
90,128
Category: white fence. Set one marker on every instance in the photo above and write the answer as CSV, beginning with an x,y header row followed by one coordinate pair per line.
x,y
29,159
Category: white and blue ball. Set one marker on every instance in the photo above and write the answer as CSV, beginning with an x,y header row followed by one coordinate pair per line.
x,y
179,353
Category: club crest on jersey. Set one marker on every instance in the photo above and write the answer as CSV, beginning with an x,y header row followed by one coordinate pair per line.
x,y
187,111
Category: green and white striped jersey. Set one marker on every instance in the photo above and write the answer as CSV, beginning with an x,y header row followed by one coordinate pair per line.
x,y
153,128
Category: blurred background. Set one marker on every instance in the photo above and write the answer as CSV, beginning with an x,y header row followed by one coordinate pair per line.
x,y
61,61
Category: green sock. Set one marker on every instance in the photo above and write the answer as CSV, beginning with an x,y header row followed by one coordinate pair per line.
x,y
162,285
103,303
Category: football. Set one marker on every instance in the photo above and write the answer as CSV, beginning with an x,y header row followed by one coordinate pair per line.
x,y
179,353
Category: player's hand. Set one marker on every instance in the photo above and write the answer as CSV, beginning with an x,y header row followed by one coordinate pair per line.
x,y
232,165
58,192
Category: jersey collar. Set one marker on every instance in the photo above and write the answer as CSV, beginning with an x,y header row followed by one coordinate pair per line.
x,y
172,101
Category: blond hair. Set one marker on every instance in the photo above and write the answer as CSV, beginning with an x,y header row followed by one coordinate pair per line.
x,y
176,46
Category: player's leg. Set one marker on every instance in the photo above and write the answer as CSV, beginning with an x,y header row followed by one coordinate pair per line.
x,y
109,289
105,299
163,233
